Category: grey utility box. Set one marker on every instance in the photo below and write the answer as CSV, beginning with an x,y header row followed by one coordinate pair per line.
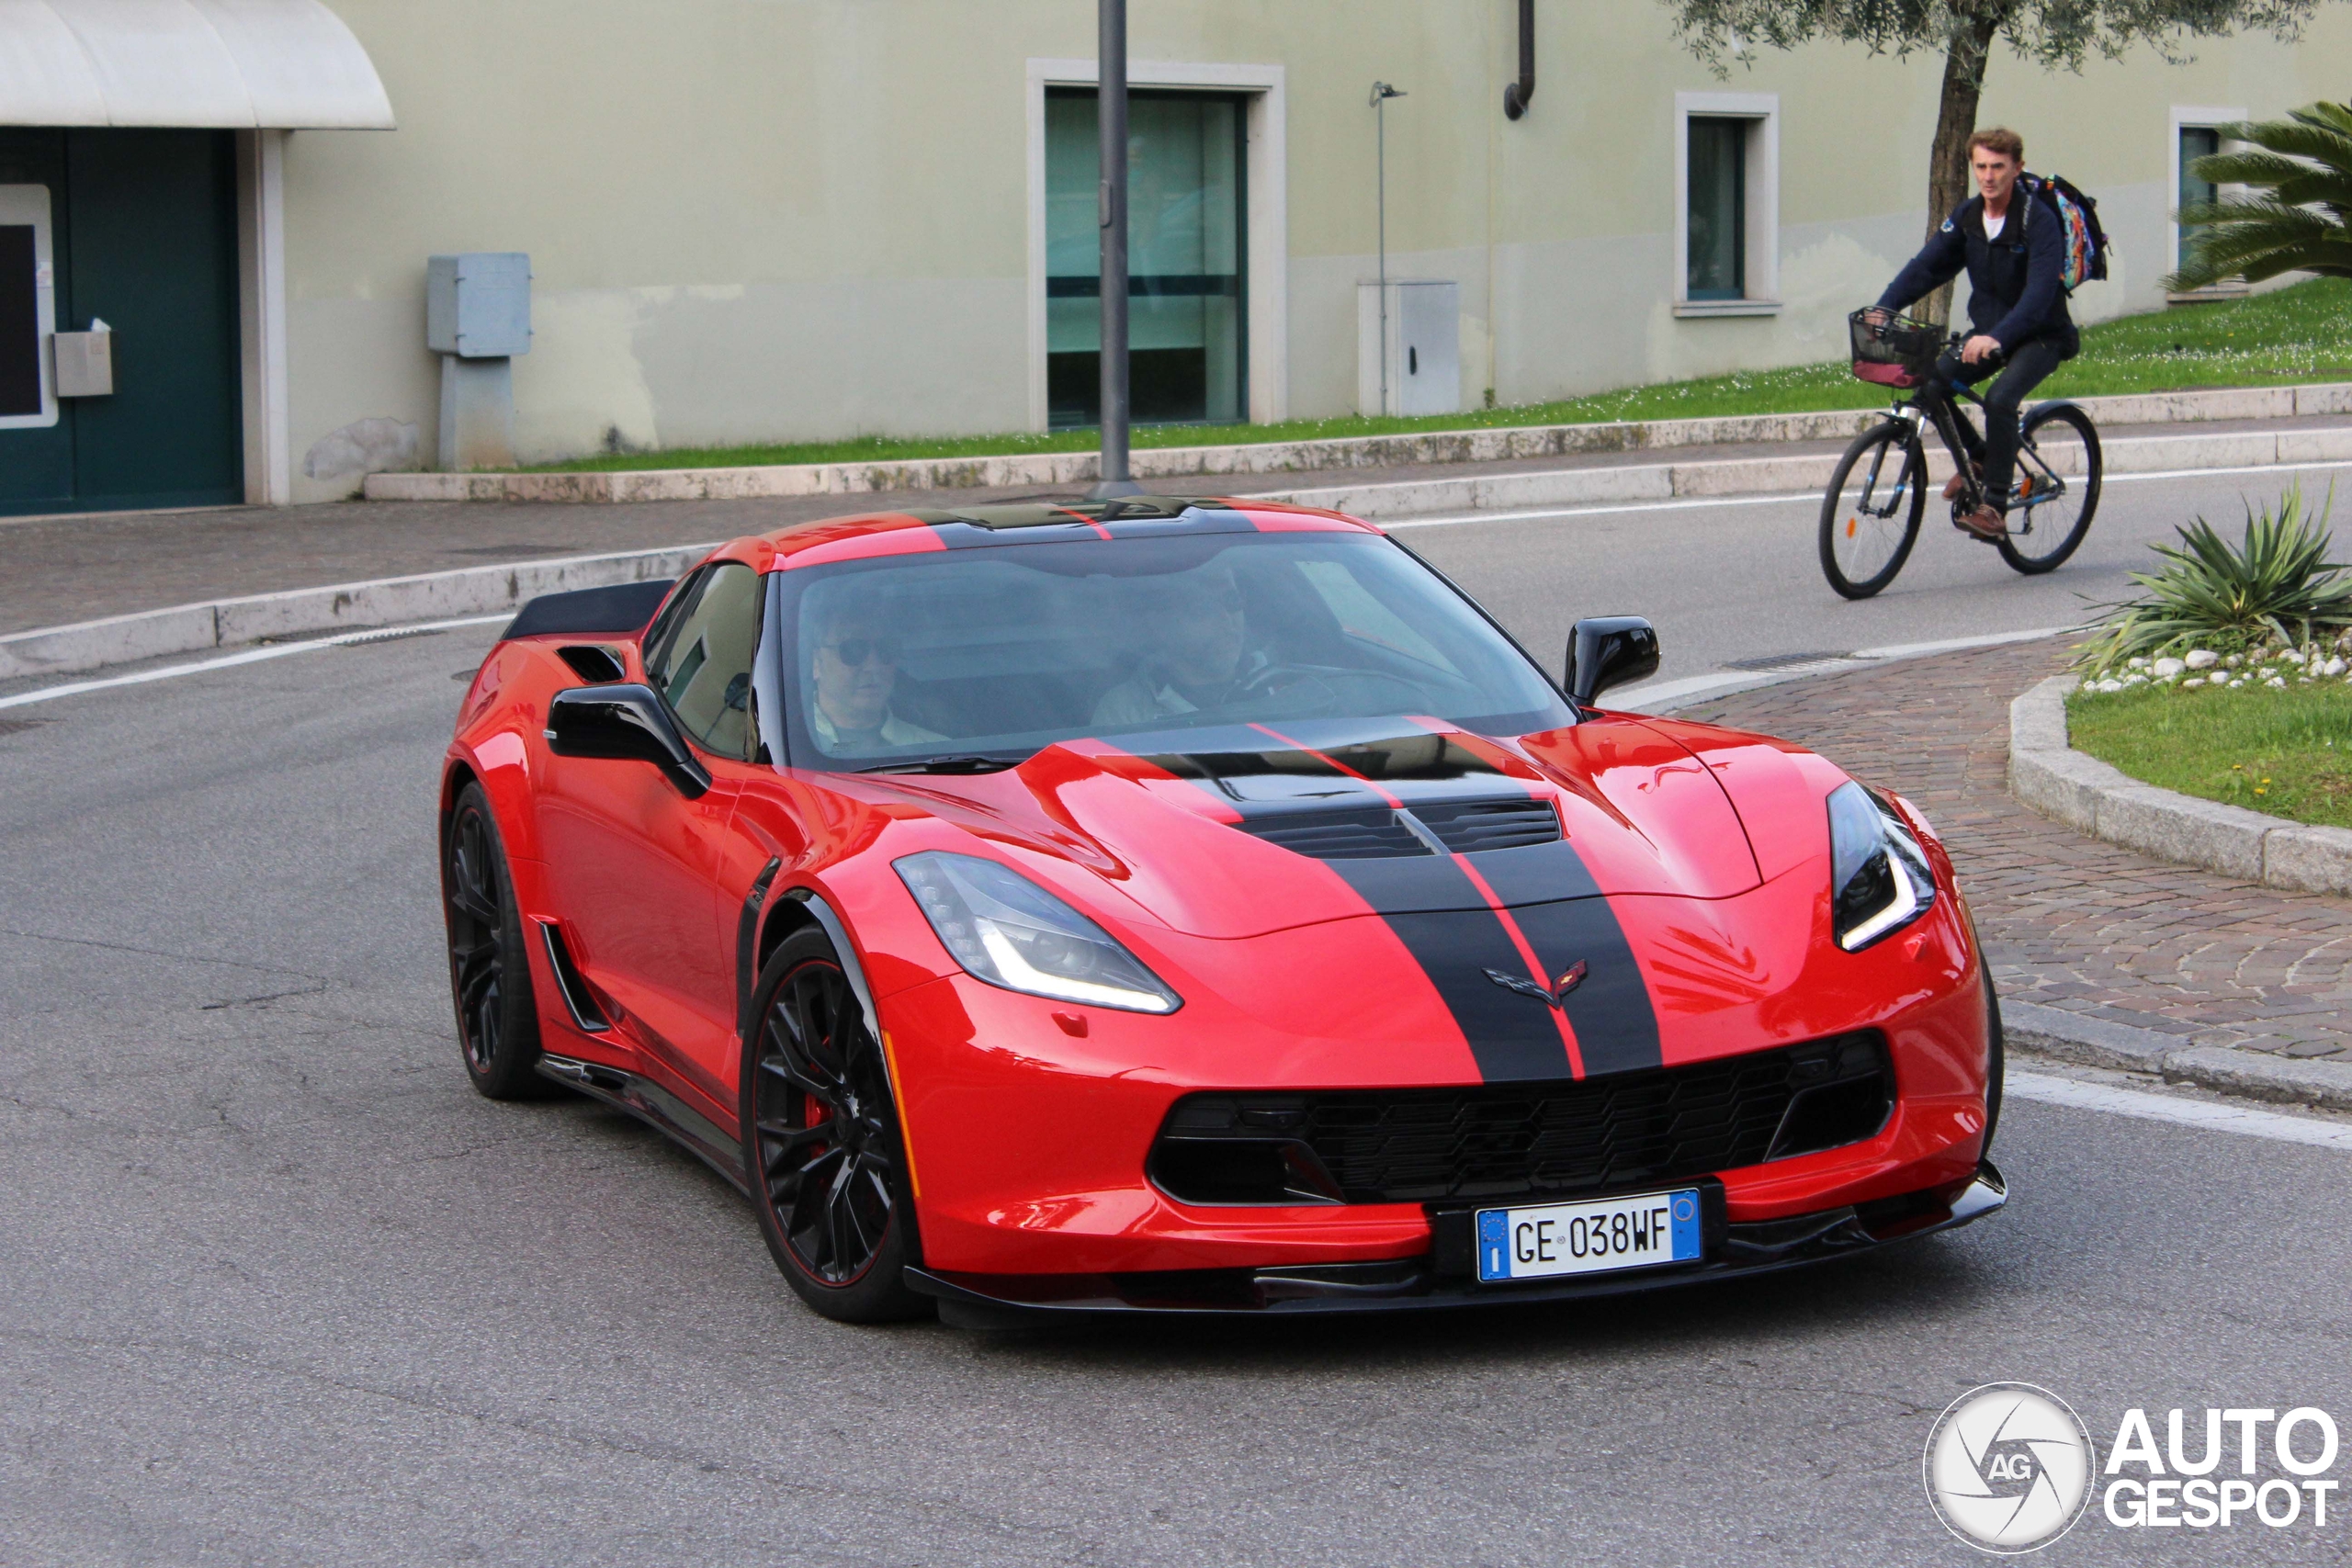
x,y
85,362
1423,347
478,306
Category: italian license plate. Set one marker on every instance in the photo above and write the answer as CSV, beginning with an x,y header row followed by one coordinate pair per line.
x,y
1596,1237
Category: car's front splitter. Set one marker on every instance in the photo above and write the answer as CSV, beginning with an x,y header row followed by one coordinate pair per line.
x,y
1013,1301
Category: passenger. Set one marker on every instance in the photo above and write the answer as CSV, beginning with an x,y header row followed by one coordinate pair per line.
x,y
1198,631
851,675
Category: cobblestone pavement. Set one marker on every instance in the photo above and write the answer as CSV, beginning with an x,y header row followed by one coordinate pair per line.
x,y
2069,921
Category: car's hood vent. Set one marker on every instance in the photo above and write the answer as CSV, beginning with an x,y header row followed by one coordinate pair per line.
x,y
1381,832
1468,826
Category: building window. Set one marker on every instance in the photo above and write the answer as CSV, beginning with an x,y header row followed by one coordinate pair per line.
x,y
2196,141
1715,218
1727,204
1188,359
2197,133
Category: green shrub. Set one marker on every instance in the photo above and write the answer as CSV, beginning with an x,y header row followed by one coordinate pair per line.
x,y
2275,587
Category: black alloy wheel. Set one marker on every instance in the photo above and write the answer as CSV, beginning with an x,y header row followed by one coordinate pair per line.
x,y
490,971
823,1153
1870,515
2058,452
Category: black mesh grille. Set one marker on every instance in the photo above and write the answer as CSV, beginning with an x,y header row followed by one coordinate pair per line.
x,y
1376,832
1512,1140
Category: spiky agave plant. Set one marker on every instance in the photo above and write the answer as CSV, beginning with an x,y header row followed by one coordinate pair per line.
x,y
2301,219
2277,584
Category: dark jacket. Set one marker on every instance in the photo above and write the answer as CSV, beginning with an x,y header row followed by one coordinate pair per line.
x,y
2014,293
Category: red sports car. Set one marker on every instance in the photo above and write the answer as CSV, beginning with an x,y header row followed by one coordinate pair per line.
x,y
1171,905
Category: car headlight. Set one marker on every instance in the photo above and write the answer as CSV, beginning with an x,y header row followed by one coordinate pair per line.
x,y
1005,929
1878,880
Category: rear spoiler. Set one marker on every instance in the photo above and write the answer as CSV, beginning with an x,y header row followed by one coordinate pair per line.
x,y
620,611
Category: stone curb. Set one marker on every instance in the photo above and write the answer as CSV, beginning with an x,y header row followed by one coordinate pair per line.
x,y
1293,456
438,595
2088,796
186,628
2100,1042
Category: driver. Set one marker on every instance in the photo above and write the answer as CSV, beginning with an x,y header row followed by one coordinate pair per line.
x,y
850,676
1198,632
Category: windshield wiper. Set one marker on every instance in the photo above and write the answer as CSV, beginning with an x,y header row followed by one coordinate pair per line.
x,y
970,764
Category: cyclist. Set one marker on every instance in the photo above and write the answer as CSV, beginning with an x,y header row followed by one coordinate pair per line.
x,y
2014,250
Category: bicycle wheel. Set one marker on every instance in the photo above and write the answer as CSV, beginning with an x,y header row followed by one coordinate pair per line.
x,y
2058,455
1870,515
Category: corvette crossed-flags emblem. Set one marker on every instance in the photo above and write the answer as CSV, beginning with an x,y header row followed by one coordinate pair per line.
x,y
1555,997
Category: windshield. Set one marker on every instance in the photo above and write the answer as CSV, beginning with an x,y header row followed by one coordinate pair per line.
x,y
995,652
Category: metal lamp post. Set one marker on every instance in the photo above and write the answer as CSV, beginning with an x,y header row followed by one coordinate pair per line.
x,y
1381,93
1111,212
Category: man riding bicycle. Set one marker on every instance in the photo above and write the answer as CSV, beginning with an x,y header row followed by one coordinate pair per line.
x,y
2014,250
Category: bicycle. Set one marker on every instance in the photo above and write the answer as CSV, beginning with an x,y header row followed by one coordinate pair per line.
x,y
2059,466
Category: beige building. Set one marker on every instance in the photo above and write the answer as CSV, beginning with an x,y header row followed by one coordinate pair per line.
x,y
761,220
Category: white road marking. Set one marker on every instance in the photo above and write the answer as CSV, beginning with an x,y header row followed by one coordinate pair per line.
x,y
1600,511
251,655
1644,699
2205,1115
1606,509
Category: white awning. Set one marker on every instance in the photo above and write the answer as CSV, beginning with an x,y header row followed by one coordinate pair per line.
x,y
242,65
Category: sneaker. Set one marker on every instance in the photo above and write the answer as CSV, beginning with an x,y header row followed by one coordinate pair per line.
x,y
1983,524
1955,485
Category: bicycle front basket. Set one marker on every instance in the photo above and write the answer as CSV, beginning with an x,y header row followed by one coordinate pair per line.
x,y
1893,351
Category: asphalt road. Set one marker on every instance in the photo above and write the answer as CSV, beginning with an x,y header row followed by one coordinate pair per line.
x,y
276,1286
1742,579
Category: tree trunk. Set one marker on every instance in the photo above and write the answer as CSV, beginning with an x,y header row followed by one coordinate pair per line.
x,y
1964,63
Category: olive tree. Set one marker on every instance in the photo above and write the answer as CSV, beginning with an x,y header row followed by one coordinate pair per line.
x,y
2052,34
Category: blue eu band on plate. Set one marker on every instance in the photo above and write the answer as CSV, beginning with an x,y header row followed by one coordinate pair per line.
x,y
1596,1237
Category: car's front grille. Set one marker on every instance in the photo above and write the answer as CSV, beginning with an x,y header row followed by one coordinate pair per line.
x,y
1530,1140
1378,832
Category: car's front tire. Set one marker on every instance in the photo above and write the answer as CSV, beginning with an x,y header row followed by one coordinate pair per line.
x,y
823,1152
489,969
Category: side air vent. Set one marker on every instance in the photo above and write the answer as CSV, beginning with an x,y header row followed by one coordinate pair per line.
x,y
586,1013
1358,832
594,665
1468,826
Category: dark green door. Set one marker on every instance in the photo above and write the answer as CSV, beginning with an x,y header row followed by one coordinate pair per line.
x,y
145,232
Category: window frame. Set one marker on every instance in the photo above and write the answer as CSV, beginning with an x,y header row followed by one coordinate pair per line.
x,y
665,629
2195,118
1761,252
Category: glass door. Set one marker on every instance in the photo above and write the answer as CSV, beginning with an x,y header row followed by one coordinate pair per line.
x,y
1187,313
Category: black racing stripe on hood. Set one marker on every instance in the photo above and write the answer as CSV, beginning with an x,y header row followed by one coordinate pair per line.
x,y
1512,1037
1444,914
1615,1019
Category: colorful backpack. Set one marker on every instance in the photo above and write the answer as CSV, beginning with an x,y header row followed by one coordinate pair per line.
x,y
2085,242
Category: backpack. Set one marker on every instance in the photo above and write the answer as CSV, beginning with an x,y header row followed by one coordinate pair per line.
x,y
2086,246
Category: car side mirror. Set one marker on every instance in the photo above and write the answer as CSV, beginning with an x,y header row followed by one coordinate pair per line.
x,y
623,723
1608,650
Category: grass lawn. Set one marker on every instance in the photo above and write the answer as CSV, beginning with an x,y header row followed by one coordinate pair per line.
x,y
2299,333
2285,752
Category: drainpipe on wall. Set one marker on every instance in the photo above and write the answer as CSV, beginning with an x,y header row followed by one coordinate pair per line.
x,y
1516,95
